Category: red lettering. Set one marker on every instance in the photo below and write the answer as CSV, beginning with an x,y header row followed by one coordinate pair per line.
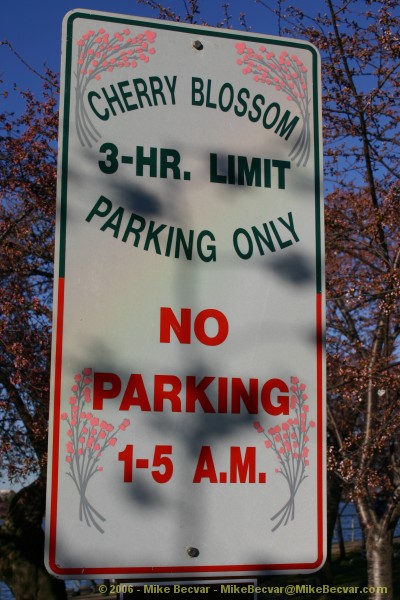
x,y
244,468
205,468
135,394
282,407
169,321
223,395
196,392
105,387
161,394
182,328
250,398
199,327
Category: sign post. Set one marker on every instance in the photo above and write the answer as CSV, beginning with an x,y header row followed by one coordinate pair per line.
x,y
187,416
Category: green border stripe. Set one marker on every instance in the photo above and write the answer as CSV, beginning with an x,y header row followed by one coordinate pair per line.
x,y
204,32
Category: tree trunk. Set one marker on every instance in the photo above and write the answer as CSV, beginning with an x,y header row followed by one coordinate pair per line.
x,y
27,578
334,495
22,548
379,548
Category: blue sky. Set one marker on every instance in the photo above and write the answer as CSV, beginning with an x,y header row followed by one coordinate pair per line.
x,y
34,29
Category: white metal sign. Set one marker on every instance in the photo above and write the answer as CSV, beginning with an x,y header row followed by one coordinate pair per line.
x,y
187,420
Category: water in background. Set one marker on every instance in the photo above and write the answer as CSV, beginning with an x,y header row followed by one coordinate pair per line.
x,y
350,528
5,593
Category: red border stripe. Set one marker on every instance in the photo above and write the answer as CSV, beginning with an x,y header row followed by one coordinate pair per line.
x,y
56,424
205,568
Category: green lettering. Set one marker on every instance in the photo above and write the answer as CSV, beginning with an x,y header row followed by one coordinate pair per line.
x,y
285,126
152,236
212,253
135,230
125,95
243,103
254,117
258,236
141,91
157,89
281,165
109,224
171,86
246,173
111,100
241,253
197,91
227,106
96,208
103,116
277,108
149,161
214,176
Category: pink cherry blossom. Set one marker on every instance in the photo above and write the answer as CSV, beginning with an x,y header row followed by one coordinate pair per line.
x,y
150,36
240,47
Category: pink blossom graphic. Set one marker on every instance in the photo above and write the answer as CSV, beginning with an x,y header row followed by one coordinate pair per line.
x,y
86,445
289,443
288,74
101,53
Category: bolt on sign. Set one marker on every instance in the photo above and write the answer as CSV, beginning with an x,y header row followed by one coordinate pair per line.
x,y
187,417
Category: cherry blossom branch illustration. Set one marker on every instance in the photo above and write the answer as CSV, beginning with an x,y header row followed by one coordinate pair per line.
x,y
288,74
99,53
89,437
289,443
